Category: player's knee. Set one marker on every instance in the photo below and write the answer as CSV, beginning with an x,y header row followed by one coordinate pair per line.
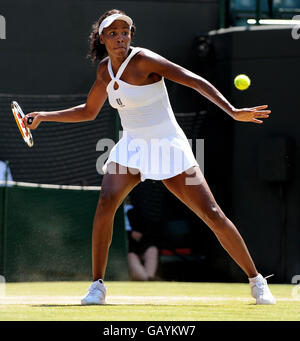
x,y
215,217
108,202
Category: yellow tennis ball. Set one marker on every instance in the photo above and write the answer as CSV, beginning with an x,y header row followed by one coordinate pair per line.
x,y
242,82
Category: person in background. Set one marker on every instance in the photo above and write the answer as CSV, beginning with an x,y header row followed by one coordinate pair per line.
x,y
142,249
3,169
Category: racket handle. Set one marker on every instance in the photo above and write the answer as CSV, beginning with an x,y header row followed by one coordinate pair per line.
x,y
29,120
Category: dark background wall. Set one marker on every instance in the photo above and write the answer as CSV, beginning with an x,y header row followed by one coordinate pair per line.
x,y
53,242
47,41
265,158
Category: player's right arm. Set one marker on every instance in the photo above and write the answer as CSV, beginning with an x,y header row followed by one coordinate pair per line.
x,y
84,112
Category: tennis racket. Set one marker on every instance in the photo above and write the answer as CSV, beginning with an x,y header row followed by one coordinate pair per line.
x,y
19,115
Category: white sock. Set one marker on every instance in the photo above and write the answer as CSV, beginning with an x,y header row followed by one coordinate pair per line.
x,y
253,279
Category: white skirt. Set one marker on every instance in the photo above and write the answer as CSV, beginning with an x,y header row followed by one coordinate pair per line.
x,y
155,158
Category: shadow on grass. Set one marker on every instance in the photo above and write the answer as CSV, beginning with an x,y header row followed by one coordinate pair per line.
x,y
124,305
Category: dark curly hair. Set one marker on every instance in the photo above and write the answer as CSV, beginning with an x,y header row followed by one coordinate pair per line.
x,y
97,50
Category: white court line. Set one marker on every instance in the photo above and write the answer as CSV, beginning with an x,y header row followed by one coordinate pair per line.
x,y
120,299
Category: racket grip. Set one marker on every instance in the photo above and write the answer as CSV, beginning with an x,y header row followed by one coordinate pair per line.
x,y
30,120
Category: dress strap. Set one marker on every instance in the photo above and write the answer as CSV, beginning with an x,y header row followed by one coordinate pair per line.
x,y
134,51
112,76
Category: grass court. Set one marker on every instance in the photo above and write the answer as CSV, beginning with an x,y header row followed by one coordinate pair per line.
x,y
145,301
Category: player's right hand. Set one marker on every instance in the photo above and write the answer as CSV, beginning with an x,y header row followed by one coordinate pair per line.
x,y
36,120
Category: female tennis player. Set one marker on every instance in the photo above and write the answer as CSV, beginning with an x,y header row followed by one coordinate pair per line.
x,y
133,80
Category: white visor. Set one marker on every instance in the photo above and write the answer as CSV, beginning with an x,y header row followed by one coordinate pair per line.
x,y
109,20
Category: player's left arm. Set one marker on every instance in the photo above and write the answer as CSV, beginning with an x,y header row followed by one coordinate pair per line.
x,y
174,72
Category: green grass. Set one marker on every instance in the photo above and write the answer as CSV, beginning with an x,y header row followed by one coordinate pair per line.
x,y
145,301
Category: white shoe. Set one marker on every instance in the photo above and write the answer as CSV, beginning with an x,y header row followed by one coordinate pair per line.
x,y
260,290
96,294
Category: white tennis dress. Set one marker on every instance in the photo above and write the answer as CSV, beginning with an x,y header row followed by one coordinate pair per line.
x,y
152,141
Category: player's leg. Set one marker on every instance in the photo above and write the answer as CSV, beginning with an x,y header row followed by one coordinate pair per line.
x,y
115,186
136,269
193,191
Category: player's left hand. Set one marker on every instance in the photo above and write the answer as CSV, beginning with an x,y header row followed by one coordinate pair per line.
x,y
254,114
